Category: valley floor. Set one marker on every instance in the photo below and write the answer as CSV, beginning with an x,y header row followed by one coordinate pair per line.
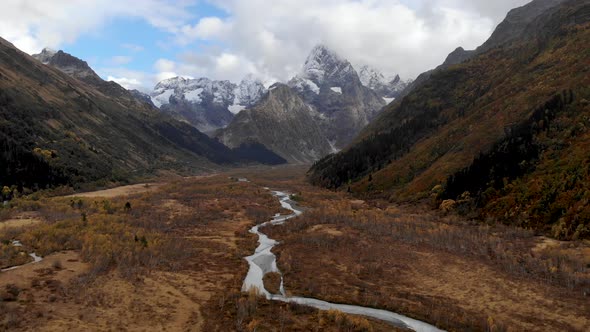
x,y
171,257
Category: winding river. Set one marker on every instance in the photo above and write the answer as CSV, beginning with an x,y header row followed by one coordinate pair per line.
x,y
264,261
36,259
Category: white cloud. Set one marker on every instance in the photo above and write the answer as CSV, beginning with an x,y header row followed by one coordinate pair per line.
x,y
127,83
207,28
32,24
164,65
394,36
165,75
269,39
130,79
166,69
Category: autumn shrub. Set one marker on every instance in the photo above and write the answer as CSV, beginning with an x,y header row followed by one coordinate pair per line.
x,y
57,264
11,255
343,321
498,244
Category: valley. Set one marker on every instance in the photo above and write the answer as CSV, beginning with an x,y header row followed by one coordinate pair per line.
x,y
234,166
175,260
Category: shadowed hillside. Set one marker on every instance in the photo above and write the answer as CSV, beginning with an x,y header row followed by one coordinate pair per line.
x,y
56,129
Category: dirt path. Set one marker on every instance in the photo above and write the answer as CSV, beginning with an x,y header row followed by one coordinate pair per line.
x,y
121,191
134,188
16,223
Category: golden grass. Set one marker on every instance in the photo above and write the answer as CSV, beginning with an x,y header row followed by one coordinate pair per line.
x,y
174,260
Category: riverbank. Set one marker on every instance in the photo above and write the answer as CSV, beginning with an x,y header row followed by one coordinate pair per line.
x,y
263,262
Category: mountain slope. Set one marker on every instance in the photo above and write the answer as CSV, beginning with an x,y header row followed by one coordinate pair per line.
x,y
511,29
56,129
79,69
527,95
284,123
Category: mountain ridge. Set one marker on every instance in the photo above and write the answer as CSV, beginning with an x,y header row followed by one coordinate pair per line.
x,y
206,104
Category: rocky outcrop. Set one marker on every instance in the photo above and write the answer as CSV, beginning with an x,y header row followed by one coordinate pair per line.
x,y
284,123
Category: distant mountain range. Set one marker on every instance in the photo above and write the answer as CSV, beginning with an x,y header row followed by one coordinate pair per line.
x,y
331,98
501,130
317,112
208,105
327,92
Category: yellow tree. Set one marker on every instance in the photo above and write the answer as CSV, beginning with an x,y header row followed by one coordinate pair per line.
x,y
6,192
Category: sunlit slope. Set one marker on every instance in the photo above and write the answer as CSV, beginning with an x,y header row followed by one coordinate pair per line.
x,y
529,95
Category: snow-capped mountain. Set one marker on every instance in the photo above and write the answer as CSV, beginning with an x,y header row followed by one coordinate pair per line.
x,y
206,104
331,86
46,55
387,87
323,68
248,93
319,111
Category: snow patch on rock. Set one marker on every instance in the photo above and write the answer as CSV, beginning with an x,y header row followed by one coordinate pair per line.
x,y
302,84
336,89
235,109
194,95
163,98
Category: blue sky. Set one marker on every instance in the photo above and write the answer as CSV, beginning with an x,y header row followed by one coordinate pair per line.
x,y
134,43
138,43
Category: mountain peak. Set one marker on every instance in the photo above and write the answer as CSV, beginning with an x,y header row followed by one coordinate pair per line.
x,y
323,68
370,76
457,56
322,54
386,87
251,78
516,22
67,63
45,55
323,65
249,91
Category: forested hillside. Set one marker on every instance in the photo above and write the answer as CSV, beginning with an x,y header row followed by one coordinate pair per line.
x,y
505,132
57,129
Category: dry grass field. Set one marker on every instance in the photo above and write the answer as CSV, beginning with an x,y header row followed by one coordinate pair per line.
x,y
171,259
454,273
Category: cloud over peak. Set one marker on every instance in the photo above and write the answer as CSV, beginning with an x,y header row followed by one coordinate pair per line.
x,y
268,39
